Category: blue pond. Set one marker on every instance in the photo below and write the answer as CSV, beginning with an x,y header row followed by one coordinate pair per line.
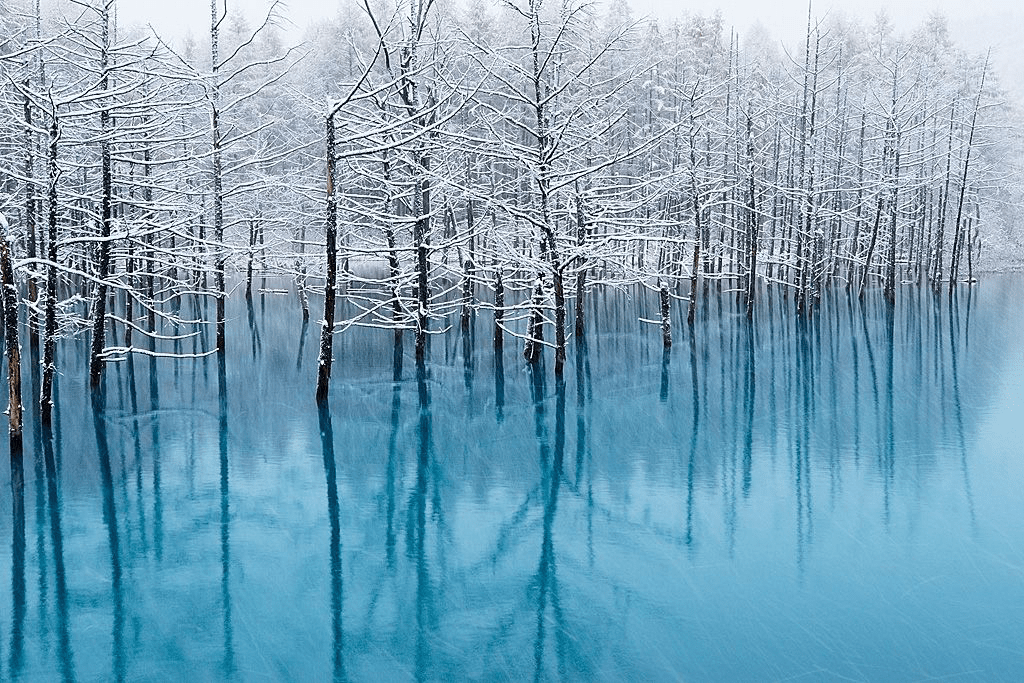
x,y
836,498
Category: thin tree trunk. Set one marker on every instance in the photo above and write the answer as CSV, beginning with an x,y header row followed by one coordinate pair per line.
x,y
499,312
958,238
581,274
666,315
10,301
535,328
50,316
753,223
327,332
560,312
106,181
218,179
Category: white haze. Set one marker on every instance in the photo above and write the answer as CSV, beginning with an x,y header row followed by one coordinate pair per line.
x,y
977,25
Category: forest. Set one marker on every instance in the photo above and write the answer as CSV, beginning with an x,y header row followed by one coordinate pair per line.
x,y
427,162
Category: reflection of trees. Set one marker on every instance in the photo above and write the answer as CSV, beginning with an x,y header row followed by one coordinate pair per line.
x,y
18,597
113,537
334,513
888,451
958,411
64,651
390,477
468,335
691,462
666,356
738,371
827,386
804,417
584,389
133,407
546,579
43,438
416,538
254,328
749,399
225,517
157,454
499,383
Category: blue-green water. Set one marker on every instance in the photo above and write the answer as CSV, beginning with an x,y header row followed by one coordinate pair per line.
x,y
832,499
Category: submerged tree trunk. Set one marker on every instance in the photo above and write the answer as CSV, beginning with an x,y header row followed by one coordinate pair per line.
x,y
420,228
468,267
871,246
753,223
535,328
692,309
30,215
218,178
958,237
10,301
499,313
940,240
327,332
581,274
559,322
666,315
106,204
50,316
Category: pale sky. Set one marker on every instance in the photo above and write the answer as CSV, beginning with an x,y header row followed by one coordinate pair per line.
x,y
974,24
781,16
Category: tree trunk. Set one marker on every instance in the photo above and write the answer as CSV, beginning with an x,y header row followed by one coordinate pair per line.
x,y
499,313
581,274
559,321
218,179
327,332
10,301
106,181
50,316
958,237
535,328
666,315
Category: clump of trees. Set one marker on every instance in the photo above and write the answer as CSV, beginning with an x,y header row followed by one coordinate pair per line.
x,y
427,162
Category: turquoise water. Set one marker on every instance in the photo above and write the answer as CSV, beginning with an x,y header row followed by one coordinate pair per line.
x,y
828,499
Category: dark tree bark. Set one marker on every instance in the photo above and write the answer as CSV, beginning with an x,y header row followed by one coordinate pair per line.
x,y
50,316
666,315
218,177
106,215
327,333
10,301
499,313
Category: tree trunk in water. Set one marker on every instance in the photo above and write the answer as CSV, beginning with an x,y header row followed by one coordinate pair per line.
x,y
954,266
252,249
559,322
30,217
327,332
50,319
871,246
890,278
692,310
10,301
752,223
468,266
218,180
421,229
103,270
535,328
940,240
499,313
666,315
581,275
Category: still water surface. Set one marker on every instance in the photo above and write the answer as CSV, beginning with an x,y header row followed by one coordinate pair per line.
x,y
833,499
